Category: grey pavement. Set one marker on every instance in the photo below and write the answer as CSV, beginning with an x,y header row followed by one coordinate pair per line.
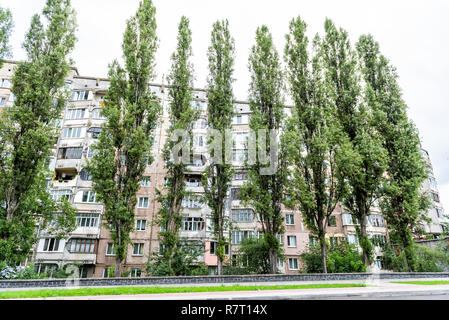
x,y
376,290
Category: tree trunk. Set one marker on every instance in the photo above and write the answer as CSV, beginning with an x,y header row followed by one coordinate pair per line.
x,y
273,260
408,249
118,268
323,252
363,235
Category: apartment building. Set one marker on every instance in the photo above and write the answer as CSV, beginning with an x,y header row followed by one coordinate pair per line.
x,y
90,245
438,220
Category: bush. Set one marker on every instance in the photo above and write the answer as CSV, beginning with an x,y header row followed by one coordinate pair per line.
x,y
345,258
9,273
342,258
184,263
426,259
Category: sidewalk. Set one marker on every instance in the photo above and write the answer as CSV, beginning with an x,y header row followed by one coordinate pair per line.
x,y
376,288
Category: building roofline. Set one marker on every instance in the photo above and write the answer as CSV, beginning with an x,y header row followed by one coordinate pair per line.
x,y
17,62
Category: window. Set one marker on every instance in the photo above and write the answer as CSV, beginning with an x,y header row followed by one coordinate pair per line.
x,y
51,245
352,239
2,101
89,220
143,203
145,182
141,225
110,250
200,124
75,114
332,221
138,249
280,238
313,241
107,271
378,239
293,263
80,95
96,114
239,236
192,202
376,220
333,241
240,119
88,197
194,182
214,249
198,105
70,133
192,224
61,195
291,241
290,219
70,153
5,83
433,183
243,215
439,213
348,220
235,194
81,245
85,175
436,197
136,273
241,175
95,132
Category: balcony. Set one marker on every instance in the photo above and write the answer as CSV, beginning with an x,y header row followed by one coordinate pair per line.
x,y
65,257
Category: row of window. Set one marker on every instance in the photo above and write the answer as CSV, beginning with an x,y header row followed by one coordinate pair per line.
x,y
80,113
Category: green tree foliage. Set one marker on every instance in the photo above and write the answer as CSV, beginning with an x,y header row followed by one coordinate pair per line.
x,y
182,117
342,258
402,204
218,174
28,133
317,147
426,259
264,191
184,262
6,25
368,157
122,152
255,255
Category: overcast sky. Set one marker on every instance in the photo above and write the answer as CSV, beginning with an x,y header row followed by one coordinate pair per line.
x,y
414,35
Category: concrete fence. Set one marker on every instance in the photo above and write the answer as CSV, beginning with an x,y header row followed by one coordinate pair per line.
x,y
105,282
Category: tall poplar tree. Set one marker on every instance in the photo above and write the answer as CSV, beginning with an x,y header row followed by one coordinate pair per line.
x,y
402,203
265,192
122,152
218,174
6,25
28,133
317,146
368,160
182,117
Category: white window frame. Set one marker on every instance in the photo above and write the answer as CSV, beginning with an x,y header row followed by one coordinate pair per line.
x,y
288,221
140,247
141,225
293,266
144,203
289,242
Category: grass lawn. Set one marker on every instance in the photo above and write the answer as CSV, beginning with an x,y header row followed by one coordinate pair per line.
x,y
427,283
48,293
